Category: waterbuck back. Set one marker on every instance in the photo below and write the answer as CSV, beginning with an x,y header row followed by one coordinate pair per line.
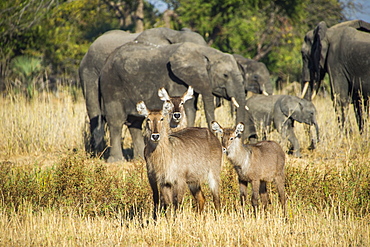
x,y
178,159
178,115
254,163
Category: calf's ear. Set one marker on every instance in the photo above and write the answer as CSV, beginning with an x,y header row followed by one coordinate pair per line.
x,y
216,127
163,95
167,107
239,128
142,109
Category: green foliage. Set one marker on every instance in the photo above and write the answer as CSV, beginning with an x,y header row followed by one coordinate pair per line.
x,y
75,182
88,186
26,67
344,190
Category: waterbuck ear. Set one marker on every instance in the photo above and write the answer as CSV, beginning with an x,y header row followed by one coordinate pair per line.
x,y
239,128
163,95
141,109
216,127
188,94
167,107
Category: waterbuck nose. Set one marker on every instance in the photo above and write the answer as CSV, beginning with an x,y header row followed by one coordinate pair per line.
x,y
177,115
155,137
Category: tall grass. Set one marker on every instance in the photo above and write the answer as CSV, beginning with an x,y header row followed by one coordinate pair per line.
x,y
53,194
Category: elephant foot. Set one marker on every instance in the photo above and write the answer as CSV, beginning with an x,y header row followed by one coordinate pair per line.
x,y
113,159
297,154
312,145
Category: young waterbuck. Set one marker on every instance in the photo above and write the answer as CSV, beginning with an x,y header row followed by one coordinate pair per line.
x,y
254,163
178,116
176,159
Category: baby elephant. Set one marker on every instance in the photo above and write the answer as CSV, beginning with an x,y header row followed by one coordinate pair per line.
x,y
280,111
254,163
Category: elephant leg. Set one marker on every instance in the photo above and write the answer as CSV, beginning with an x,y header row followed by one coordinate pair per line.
x,y
341,109
97,122
358,108
191,110
209,108
135,128
287,131
294,141
115,152
115,120
97,130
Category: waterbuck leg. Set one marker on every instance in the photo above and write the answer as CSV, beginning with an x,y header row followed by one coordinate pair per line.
x,y
154,186
255,194
279,181
264,195
166,196
243,185
198,195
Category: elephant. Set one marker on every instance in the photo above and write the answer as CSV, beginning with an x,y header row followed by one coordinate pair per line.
x,y
256,75
342,51
94,59
280,112
134,71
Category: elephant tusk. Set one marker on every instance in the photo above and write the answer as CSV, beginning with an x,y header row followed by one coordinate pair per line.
x,y
235,102
265,93
313,95
304,91
246,107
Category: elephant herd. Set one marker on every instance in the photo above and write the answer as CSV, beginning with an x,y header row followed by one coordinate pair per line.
x,y
120,69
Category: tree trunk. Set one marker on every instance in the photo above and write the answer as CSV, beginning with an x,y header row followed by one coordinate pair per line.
x,y
140,17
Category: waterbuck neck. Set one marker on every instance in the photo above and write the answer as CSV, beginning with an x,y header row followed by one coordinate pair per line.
x,y
239,154
157,153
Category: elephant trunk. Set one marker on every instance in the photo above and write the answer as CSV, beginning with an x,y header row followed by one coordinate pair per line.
x,y
317,131
237,96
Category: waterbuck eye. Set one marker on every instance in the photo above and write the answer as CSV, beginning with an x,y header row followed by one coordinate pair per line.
x,y
231,138
162,119
182,102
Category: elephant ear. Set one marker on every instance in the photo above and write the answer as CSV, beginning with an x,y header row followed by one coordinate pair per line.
x,y
291,106
318,52
186,62
360,25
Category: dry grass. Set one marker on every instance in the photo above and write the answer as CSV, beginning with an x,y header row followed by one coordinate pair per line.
x,y
52,194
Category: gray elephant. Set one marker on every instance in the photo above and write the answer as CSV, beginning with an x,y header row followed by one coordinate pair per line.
x,y
280,112
342,51
256,75
94,59
135,71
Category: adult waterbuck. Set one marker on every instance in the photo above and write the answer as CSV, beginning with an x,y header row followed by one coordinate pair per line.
x,y
178,115
254,163
176,159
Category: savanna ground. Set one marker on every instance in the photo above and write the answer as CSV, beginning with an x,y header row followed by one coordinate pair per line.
x,y
53,194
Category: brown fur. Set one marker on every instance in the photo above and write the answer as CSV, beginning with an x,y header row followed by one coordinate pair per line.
x,y
254,163
178,115
186,157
